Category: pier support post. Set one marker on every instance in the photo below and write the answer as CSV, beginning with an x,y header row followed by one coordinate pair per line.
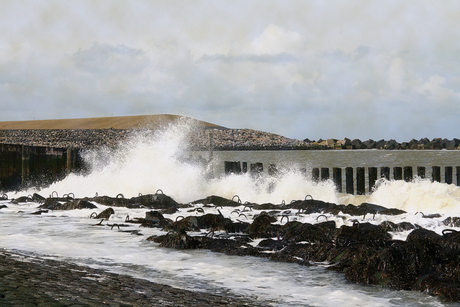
x,y
349,180
421,172
24,165
458,175
448,175
315,174
257,168
272,170
337,176
360,181
397,173
324,173
372,177
245,167
436,174
385,172
232,167
70,160
408,174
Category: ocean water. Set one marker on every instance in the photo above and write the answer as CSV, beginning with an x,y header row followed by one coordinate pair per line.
x,y
151,161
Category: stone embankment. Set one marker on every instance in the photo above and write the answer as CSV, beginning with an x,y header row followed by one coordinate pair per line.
x,y
423,143
200,139
208,138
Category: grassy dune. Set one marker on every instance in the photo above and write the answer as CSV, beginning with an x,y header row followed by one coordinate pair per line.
x,y
115,122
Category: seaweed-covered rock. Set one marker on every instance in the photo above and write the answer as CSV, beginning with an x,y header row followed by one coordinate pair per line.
x,y
262,226
104,214
53,204
217,201
313,233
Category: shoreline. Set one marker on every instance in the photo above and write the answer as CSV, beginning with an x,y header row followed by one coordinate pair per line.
x,y
33,281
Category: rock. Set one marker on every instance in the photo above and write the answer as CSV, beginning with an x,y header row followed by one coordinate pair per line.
x,y
52,204
217,201
105,214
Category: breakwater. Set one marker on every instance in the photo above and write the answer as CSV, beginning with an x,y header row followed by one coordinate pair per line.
x,y
422,144
353,180
197,139
211,138
22,166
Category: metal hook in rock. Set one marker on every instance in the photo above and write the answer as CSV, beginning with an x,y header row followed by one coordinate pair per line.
x,y
239,199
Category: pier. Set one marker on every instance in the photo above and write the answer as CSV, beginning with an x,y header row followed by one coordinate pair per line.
x,y
356,180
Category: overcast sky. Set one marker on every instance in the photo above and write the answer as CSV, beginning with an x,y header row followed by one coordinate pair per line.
x,y
302,69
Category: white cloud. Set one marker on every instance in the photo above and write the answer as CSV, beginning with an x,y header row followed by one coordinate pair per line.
x,y
275,39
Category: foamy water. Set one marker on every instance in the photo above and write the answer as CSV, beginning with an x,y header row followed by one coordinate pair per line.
x,y
157,161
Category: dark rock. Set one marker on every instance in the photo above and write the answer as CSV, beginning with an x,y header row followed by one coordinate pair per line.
x,y
366,233
105,214
217,201
318,233
262,226
178,240
369,144
53,204
22,199
452,221
155,219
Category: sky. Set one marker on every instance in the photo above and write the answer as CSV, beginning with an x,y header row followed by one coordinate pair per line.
x,y
301,69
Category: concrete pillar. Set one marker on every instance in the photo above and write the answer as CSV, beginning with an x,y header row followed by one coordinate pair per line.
x,y
337,177
324,173
397,173
408,174
421,172
360,181
372,177
272,170
448,175
385,172
458,175
315,174
436,174
349,180
24,165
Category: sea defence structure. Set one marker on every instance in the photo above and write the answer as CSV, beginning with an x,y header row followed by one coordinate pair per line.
x,y
39,152
422,144
354,180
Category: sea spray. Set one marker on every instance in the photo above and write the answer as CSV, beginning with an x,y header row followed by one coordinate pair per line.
x,y
418,195
160,159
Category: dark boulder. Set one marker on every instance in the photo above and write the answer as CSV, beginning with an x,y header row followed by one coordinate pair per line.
x,y
212,222
365,233
104,214
313,233
262,226
155,219
177,240
218,201
53,204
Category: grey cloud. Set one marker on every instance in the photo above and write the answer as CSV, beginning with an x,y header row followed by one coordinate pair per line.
x,y
105,58
278,58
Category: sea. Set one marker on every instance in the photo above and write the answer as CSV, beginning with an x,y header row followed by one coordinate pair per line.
x,y
150,161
